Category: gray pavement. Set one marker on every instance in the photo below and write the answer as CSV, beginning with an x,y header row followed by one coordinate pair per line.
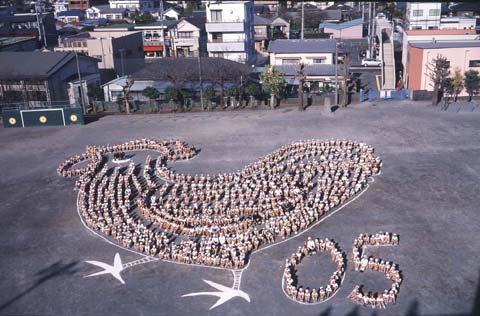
x,y
427,192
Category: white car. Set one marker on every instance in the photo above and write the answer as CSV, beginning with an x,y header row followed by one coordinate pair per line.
x,y
370,62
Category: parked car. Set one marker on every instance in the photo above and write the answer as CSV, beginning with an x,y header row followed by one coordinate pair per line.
x,y
370,62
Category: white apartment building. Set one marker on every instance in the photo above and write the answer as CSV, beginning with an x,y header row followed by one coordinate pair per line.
x,y
60,6
458,23
133,4
229,30
423,15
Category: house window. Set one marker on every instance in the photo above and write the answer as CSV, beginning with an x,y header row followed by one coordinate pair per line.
x,y
290,61
434,12
320,60
216,15
474,63
417,12
185,34
217,37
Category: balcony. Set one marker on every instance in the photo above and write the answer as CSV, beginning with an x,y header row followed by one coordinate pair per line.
x,y
224,46
186,41
220,27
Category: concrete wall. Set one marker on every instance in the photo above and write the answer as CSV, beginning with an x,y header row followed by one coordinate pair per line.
x,y
349,32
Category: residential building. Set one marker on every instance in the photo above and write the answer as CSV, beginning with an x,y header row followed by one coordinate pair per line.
x,y
464,22
187,38
462,55
171,13
78,4
153,35
410,36
318,56
27,24
134,4
229,30
423,15
60,6
266,29
116,51
180,72
71,16
465,8
105,12
347,30
42,78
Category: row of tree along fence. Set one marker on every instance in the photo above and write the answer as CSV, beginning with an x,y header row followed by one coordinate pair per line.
x,y
215,104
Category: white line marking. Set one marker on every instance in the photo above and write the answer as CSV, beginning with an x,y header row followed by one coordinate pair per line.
x,y
224,294
63,117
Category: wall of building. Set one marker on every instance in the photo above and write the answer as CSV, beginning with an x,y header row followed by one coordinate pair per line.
x,y
349,32
306,58
414,71
58,82
445,35
424,21
78,4
192,43
133,4
232,14
459,59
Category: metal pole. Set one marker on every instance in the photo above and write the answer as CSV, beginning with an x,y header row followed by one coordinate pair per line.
x,y
164,52
336,73
303,22
81,85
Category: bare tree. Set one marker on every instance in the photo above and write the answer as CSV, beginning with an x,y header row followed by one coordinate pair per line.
x,y
438,70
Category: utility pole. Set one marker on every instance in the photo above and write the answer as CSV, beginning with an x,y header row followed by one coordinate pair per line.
x,y
363,11
303,20
164,51
40,23
370,29
82,100
336,73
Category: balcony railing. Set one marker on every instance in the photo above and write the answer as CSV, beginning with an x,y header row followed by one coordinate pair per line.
x,y
226,41
227,21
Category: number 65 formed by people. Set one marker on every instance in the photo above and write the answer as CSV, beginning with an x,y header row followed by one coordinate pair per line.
x,y
362,262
